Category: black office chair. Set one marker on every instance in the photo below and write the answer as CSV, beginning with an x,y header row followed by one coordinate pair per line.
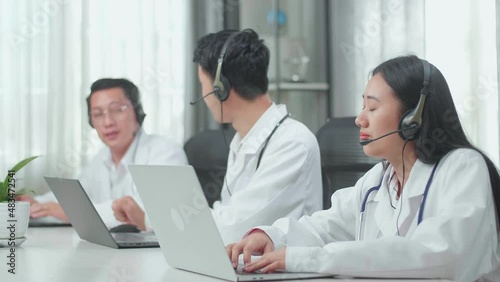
x,y
207,152
343,161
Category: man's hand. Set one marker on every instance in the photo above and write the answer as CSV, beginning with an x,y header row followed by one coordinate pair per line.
x,y
26,198
47,209
127,210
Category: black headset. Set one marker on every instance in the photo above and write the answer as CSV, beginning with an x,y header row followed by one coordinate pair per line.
x,y
221,84
411,121
139,113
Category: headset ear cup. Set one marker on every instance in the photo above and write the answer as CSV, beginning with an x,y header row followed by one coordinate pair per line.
x,y
218,89
408,127
88,110
411,121
223,94
139,114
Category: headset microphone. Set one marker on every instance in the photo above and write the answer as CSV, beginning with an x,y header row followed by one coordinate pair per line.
x,y
368,141
201,98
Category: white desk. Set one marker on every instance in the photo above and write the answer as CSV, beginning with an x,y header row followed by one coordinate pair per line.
x,y
58,254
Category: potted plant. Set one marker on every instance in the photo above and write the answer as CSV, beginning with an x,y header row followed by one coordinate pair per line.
x,y
14,215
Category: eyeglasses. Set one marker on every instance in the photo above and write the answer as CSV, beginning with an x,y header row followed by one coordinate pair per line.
x,y
116,111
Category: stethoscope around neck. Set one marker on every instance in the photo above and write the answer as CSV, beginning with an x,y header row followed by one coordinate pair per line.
x,y
376,188
263,147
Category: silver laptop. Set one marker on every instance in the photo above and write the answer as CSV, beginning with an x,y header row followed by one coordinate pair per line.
x,y
86,220
184,226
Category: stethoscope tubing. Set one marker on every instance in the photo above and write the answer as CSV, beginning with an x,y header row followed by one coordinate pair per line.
x,y
376,188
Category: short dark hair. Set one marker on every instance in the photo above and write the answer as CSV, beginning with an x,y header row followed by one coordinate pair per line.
x,y
245,63
131,92
405,76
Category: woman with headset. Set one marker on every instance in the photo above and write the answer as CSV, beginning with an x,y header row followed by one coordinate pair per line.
x,y
430,210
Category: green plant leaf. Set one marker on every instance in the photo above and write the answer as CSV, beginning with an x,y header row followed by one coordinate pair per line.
x,y
22,163
4,191
4,195
18,167
3,198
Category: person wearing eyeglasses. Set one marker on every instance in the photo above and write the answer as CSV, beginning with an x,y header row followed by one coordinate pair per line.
x,y
116,113
429,210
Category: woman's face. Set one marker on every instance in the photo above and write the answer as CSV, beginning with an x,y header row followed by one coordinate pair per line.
x,y
380,115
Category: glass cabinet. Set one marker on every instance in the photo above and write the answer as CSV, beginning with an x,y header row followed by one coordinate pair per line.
x,y
296,33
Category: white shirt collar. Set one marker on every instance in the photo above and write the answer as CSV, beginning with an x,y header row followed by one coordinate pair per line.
x,y
259,132
415,184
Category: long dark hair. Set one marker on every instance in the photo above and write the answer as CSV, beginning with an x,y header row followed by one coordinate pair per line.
x,y
405,76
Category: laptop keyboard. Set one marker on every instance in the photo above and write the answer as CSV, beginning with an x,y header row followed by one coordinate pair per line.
x,y
134,237
240,271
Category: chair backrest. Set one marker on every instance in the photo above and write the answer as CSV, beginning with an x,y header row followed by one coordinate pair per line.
x,y
343,161
207,152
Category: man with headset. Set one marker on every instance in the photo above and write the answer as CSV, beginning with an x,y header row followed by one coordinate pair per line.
x,y
274,165
115,111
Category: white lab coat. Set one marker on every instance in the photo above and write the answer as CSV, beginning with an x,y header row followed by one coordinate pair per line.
x,y
287,183
457,238
105,182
